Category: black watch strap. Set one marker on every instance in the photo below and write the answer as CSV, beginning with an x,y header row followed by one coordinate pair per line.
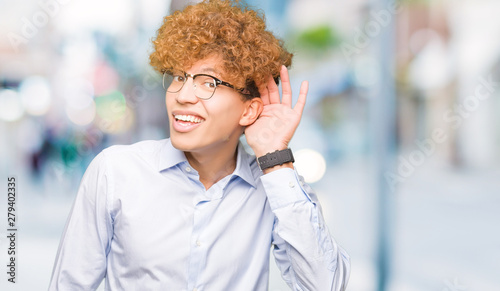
x,y
278,157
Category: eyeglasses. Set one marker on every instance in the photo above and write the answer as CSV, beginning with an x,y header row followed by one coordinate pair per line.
x,y
204,85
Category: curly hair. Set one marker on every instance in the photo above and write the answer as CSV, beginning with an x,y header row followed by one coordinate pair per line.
x,y
227,29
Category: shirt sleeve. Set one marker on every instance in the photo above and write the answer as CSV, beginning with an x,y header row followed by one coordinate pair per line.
x,y
305,252
80,263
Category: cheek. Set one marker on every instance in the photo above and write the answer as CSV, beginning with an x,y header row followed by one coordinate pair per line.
x,y
227,114
168,101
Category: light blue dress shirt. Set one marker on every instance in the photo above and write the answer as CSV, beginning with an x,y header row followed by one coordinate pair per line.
x,y
144,221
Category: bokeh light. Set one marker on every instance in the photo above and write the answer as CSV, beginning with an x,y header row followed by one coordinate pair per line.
x,y
119,124
79,94
310,164
11,108
36,95
114,115
111,106
81,116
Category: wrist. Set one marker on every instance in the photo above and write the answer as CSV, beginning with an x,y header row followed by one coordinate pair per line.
x,y
278,167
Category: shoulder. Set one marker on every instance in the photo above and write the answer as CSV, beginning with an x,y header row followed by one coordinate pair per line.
x,y
145,152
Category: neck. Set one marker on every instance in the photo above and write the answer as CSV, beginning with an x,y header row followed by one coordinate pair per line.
x,y
214,164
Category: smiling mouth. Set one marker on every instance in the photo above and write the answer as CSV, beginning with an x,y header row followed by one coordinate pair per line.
x,y
188,118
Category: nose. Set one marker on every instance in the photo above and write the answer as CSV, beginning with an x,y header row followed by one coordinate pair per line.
x,y
186,94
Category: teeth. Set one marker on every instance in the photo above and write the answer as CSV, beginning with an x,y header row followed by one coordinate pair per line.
x,y
188,118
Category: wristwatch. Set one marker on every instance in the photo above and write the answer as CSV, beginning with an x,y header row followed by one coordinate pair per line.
x,y
278,157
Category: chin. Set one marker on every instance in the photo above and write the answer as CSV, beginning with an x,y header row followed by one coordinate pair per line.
x,y
188,143
181,143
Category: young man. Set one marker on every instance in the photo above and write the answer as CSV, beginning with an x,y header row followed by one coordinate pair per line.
x,y
195,211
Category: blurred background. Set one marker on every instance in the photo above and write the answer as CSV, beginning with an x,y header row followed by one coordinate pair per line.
x,y
400,136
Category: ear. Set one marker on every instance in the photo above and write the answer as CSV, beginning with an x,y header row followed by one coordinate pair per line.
x,y
252,111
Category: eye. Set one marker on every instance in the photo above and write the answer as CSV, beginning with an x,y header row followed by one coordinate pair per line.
x,y
209,84
179,78
206,81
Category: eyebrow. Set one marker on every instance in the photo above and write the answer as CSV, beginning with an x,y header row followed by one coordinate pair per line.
x,y
210,70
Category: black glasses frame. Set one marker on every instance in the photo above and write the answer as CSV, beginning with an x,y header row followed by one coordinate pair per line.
x,y
217,83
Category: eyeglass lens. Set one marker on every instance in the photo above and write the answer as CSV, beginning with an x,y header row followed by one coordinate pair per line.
x,y
204,86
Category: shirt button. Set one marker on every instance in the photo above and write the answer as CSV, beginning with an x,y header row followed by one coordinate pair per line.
x,y
188,169
291,184
195,289
198,243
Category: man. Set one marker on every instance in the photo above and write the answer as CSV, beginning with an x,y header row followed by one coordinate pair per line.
x,y
195,211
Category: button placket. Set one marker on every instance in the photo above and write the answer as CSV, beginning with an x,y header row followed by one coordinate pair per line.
x,y
197,254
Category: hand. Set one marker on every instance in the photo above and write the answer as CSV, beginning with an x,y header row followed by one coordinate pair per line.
x,y
278,121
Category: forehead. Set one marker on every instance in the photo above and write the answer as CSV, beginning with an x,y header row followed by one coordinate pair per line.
x,y
208,65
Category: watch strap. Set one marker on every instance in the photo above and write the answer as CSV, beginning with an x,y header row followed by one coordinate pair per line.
x,y
275,158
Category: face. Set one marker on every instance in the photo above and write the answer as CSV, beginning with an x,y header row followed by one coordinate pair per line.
x,y
205,125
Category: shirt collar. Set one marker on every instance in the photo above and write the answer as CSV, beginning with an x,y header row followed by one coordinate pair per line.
x,y
170,157
243,169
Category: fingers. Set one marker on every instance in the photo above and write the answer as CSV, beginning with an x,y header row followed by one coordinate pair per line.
x,y
274,93
269,93
301,102
264,94
286,88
